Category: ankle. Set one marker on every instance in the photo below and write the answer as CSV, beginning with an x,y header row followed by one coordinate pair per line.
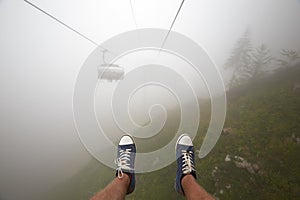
x,y
187,179
125,179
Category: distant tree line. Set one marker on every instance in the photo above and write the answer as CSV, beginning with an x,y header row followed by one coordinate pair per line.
x,y
250,63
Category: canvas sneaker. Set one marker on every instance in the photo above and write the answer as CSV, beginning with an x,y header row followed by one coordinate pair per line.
x,y
125,160
185,160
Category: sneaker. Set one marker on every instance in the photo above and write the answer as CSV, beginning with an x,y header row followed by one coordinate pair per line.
x,y
185,160
125,160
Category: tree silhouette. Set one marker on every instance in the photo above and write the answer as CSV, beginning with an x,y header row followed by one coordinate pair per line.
x,y
290,58
261,59
240,61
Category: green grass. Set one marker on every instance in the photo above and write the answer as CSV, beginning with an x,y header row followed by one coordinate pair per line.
x,y
263,116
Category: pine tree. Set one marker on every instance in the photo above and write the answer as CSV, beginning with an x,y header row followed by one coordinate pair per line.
x,y
290,58
261,59
240,61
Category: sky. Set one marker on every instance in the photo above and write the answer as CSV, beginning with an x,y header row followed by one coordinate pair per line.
x,y
40,60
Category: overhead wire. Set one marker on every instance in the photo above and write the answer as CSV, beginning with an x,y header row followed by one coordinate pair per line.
x,y
64,24
92,41
133,15
173,22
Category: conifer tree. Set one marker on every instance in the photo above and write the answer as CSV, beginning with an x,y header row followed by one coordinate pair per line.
x,y
240,61
261,59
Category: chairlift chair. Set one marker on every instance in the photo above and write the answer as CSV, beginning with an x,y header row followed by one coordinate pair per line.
x,y
110,72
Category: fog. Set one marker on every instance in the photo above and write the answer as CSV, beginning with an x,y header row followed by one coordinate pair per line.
x,y
40,60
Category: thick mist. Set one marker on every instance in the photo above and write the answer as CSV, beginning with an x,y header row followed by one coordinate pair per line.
x,y
40,60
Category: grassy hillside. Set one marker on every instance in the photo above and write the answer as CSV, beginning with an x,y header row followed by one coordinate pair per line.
x,y
264,117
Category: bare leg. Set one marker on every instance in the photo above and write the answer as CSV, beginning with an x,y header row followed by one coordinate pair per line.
x,y
192,190
116,190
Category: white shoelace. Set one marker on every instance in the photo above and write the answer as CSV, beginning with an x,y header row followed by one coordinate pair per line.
x,y
123,162
187,162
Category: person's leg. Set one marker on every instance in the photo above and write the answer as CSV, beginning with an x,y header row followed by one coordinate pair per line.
x,y
116,190
185,183
192,190
124,183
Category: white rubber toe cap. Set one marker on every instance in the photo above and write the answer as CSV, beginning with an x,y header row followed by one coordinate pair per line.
x,y
125,140
184,139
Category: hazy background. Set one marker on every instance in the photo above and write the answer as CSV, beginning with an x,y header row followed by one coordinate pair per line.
x,y
40,59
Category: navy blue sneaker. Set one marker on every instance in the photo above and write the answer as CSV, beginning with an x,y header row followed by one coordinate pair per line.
x,y
125,160
185,160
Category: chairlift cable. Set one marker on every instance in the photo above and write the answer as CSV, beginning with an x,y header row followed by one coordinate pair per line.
x,y
173,22
133,15
62,23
